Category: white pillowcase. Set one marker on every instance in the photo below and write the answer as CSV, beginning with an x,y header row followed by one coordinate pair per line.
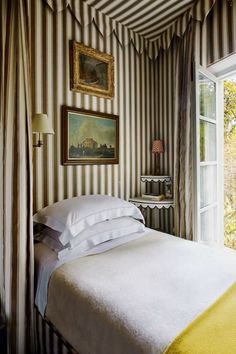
x,y
91,239
93,236
72,216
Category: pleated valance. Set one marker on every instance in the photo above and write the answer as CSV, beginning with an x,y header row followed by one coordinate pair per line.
x,y
86,15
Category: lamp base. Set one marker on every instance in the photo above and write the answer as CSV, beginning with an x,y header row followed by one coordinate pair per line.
x,y
157,172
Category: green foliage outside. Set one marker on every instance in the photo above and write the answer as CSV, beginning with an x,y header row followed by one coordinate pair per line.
x,y
230,163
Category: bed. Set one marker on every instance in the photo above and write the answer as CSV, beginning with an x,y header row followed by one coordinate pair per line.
x,y
133,296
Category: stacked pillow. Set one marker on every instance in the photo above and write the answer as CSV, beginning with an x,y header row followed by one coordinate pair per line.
x,y
86,221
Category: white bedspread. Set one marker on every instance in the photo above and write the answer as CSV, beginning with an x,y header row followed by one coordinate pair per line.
x,y
46,262
136,298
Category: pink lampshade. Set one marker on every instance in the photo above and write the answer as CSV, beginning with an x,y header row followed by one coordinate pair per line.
x,y
157,146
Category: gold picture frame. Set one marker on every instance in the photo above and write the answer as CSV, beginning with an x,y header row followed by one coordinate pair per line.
x,y
92,72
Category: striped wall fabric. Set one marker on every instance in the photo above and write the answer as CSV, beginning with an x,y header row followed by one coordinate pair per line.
x,y
198,12
212,42
164,72
134,80
220,28
135,84
164,20
148,18
48,339
3,27
133,102
143,100
16,236
141,21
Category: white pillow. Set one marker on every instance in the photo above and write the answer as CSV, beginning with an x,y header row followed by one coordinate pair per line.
x,y
72,216
93,236
88,239
108,230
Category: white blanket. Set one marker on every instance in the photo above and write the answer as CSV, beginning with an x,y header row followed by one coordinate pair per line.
x,y
138,297
46,262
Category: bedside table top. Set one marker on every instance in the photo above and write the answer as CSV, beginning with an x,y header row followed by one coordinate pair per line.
x,y
140,201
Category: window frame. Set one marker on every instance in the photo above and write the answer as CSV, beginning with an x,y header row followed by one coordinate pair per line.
x,y
219,123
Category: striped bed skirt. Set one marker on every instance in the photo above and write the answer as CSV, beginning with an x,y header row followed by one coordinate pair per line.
x,y
48,339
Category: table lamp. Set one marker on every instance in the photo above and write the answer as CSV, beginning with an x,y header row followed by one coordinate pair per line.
x,y
157,148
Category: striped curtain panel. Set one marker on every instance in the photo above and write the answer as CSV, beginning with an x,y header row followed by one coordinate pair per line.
x,y
220,31
16,238
183,141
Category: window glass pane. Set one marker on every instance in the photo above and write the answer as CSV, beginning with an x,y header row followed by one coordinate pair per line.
x,y
207,141
208,185
209,225
207,93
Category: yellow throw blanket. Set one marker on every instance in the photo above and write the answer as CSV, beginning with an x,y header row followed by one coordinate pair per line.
x,y
213,332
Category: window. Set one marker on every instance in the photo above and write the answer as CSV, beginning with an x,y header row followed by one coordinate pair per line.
x,y
208,165
215,154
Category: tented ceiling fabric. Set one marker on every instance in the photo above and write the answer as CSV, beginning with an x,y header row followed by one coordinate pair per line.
x,y
149,25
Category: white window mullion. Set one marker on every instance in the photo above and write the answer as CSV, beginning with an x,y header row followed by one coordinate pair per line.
x,y
209,120
207,179
208,163
220,154
208,207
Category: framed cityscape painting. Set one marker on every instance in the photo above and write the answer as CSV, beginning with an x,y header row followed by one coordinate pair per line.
x,y
92,72
89,137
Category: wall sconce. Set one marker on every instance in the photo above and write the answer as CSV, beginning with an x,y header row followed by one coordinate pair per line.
x,y
157,148
41,125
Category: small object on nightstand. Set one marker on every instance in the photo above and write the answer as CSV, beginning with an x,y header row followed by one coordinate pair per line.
x,y
154,197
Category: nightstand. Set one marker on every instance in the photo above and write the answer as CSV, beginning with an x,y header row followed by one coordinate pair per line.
x,y
147,201
142,201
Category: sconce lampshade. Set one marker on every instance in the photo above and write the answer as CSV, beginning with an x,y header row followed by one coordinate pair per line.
x,y
157,146
41,124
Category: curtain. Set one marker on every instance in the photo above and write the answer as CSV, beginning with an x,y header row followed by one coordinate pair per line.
x,y
87,12
183,136
16,238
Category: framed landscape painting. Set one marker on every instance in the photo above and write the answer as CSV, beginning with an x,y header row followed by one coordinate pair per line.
x,y
92,72
89,137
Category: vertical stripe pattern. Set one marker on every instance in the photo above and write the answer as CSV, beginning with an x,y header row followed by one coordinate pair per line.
x,y
48,339
220,28
50,90
16,238
215,38
144,91
164,71
144,100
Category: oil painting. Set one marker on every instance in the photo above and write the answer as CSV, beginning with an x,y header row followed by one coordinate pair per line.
x,y
89,137
92,72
